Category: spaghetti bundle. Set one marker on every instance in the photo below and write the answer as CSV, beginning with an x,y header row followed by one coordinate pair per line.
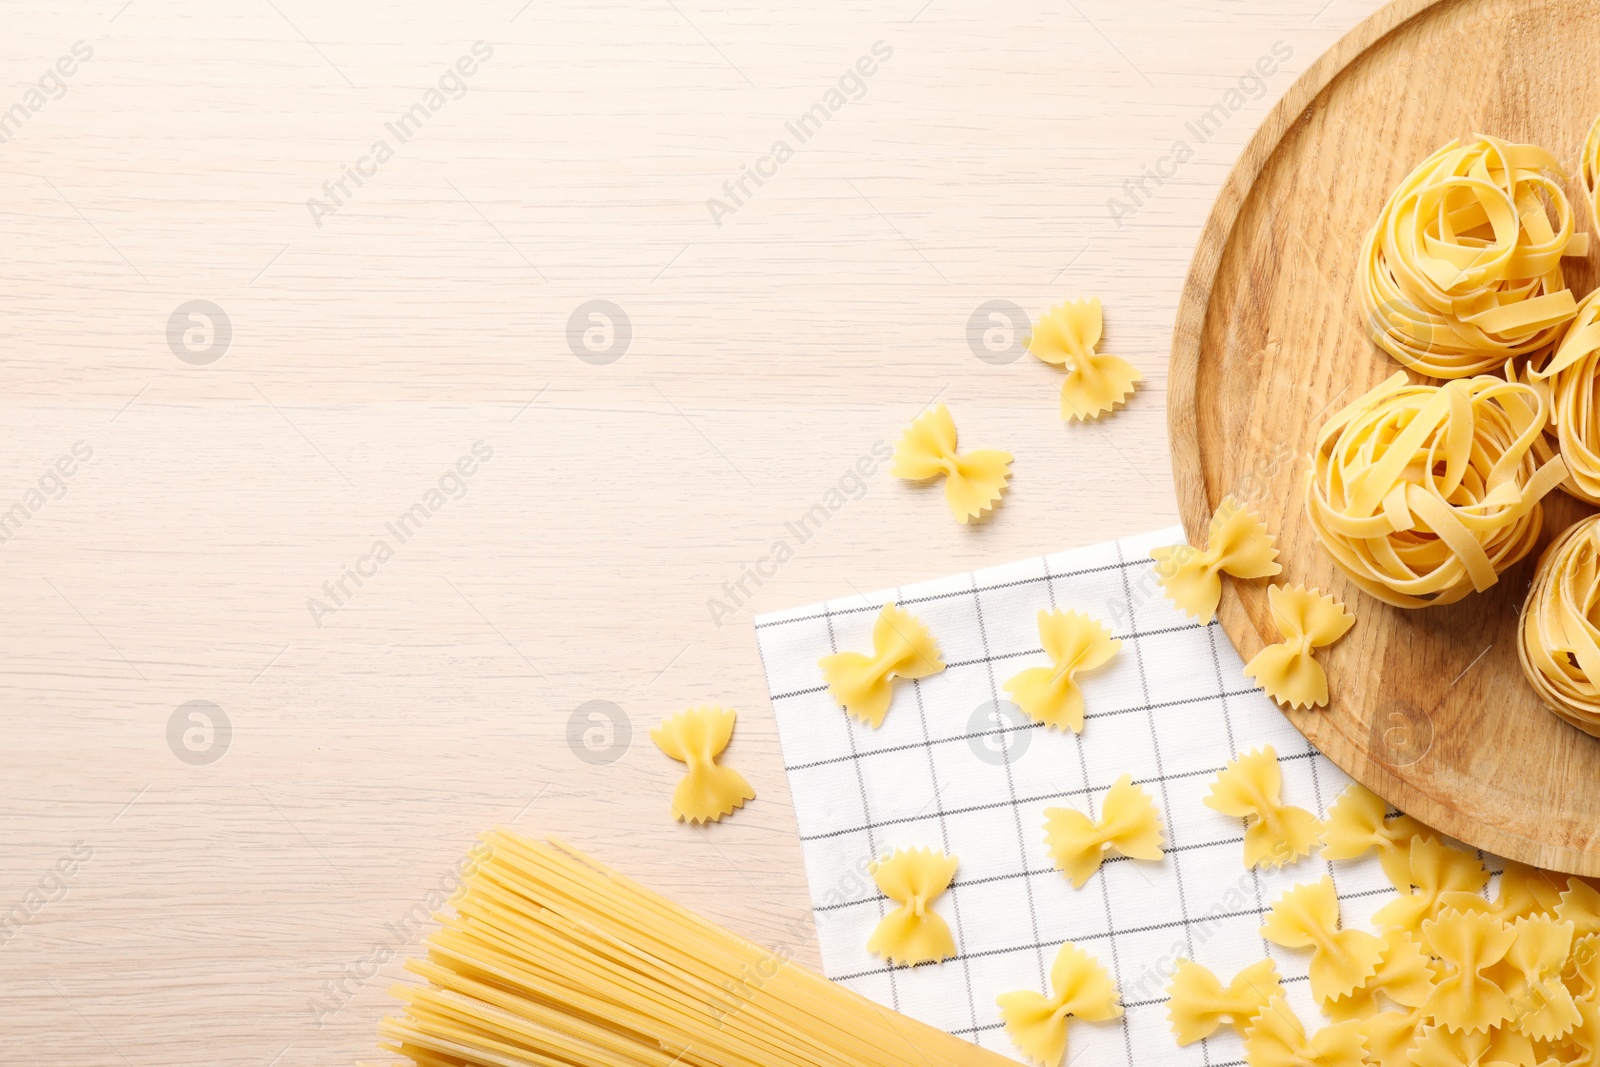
x,y
1425,493
1572,377
553,959
1463,268
1560,637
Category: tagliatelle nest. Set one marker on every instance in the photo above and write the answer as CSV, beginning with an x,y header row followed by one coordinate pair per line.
x,y
1559,642
1425,493
1463,267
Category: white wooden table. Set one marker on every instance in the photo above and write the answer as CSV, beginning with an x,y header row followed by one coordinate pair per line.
x,y
176,893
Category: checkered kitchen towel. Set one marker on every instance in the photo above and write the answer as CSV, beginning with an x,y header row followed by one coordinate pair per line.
x,y
958,768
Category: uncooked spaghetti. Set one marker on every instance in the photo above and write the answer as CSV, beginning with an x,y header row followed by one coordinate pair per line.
x,y
553,959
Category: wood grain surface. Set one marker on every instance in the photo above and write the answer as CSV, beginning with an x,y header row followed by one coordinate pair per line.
x,y
253,909
1429,708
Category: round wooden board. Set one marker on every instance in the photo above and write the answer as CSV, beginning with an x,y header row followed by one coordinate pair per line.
x,y
1429,707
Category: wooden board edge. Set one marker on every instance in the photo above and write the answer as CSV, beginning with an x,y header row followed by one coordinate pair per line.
x,y
1194,506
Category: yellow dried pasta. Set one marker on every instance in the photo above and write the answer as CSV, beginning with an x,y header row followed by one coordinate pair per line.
x,y
1435,873
1075,643
1067,334
913,933
1237,543
1128,826
1250,788
1440,1046
1081,989
1558,642
1390,1036
1422,494
1589,171
1197,1002
1308,619
1462,269
1278,1039
1567,376
1580,905
1541,1006
1307,916
1466,944
1358,822
863,685
973,483
697,737
1404,976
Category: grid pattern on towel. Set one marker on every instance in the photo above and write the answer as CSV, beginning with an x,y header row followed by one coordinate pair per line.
x,y
957,768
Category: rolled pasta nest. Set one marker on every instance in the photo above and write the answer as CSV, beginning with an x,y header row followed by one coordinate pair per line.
x,y
1590,169
1560,636
1570,379
1463,267
1425,493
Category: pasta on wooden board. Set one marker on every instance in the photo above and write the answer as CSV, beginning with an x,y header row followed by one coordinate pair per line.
x,y
1569,376
1307,619
1462,269
1589,171
1559,639
1422,494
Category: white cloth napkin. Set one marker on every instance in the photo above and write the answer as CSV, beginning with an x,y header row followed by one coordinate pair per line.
x,y
956,767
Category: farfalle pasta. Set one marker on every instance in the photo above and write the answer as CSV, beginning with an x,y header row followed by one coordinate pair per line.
x,y
1580,905
863,685
1422,494
1390,1036
1238,544
1307,916
1075,644
1080,989
1404,976
1462,270
1359,822
1436,874
1558,642
1542,1007
913,933
1466,944
1068,334
697,737
1307,619
1198,1003
1278,1039
973,483
1567,375
1251,788
1440,1046
1128,826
